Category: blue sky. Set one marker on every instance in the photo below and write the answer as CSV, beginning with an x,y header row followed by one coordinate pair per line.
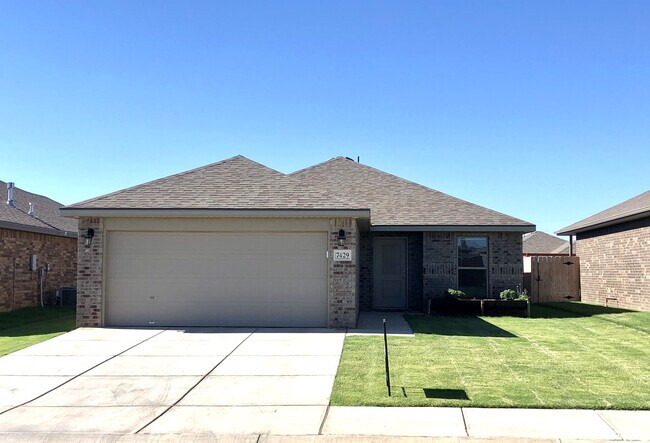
x,y
539,109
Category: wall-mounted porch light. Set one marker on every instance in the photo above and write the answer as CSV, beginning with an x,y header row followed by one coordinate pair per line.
x,y
90,233
341,237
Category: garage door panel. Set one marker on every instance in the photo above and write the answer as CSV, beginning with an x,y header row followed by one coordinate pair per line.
x,y
206,313
229,289
276,243
163,264
187,279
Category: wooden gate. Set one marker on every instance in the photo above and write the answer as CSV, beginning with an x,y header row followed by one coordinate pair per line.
x,y
554,279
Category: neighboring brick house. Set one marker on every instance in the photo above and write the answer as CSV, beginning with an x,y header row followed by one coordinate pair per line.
x,y
614,251
236,243
31,224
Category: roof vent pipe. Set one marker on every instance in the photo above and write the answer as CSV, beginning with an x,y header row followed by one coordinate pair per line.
x,y
10,194
31,209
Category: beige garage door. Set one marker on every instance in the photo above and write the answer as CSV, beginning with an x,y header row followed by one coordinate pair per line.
x,y
216,279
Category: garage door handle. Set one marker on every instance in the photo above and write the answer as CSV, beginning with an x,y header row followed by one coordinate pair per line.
x,y
152,298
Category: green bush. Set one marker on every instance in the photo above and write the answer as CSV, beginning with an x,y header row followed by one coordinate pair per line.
x,y
455,293
511,294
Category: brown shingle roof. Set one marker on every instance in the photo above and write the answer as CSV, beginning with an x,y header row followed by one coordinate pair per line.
x,y
394,200
635,207
235,183
239,183
542,243
46,212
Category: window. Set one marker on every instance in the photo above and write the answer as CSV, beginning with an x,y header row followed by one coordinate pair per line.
x,y
472,266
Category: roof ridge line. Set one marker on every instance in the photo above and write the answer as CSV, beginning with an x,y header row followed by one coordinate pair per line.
x,y
419,185
315,166
179,174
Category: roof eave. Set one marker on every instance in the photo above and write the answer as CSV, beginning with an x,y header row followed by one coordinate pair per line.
x,y
453,228
615,221
323,212
209,212
37,229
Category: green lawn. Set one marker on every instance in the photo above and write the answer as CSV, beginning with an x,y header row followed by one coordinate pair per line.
x,y
567,355
25,327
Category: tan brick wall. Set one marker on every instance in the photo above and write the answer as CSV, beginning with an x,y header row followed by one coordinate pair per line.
x,y
615,265
90,275
18,285
343,276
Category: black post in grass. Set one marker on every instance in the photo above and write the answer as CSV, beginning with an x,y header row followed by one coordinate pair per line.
x,y
386,358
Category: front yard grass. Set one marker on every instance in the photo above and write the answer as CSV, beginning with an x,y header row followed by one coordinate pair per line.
x,y
28,326
567,355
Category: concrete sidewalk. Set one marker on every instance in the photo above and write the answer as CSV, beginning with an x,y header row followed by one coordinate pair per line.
x,y
553,424
255,438
409,425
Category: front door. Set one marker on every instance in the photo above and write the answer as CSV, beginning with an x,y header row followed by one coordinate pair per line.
x,y
389,264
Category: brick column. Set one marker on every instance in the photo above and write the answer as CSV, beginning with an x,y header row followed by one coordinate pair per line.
x,y
90,274
343,276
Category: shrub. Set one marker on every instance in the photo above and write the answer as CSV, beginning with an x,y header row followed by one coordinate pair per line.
x,y
455,293
511,294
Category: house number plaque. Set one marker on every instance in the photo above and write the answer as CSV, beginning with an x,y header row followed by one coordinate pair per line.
x,y
342,255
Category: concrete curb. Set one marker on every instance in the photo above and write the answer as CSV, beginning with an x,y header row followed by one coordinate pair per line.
x,y
256,438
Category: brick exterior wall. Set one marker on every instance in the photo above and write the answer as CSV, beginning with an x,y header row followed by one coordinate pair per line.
x,y
440,261
615,263
343,281
431,260
90,274
414,266
506,261
19,287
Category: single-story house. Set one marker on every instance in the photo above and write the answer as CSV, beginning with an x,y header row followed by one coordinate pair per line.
x,y
236,243
540,243
614,251
34,239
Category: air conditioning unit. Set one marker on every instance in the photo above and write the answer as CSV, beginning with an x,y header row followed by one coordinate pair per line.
x,y
66,296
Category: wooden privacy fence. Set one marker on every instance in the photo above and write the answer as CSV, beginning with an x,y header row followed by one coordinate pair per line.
x,y
554,279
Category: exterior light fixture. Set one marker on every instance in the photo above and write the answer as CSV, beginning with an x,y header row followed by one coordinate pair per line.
x,y
341,237
90,233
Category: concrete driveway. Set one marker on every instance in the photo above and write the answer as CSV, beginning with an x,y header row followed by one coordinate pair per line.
x,y
194,380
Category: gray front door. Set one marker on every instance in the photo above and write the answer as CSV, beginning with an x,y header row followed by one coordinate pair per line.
x,y
389,264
